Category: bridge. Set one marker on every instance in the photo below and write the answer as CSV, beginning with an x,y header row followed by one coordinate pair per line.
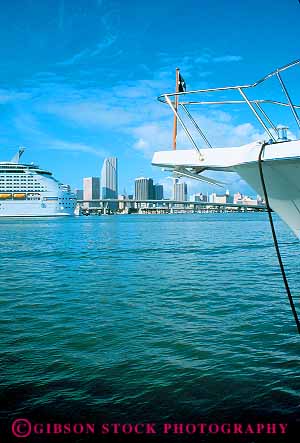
x,y
127,206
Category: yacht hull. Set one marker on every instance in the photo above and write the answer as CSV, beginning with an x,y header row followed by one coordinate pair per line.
x,y
282,179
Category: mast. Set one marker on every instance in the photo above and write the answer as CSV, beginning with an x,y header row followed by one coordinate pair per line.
x,y
176,108
17,156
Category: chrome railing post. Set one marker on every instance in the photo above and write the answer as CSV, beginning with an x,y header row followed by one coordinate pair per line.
x,y
266,117
256,114
183,126
196,125
294,112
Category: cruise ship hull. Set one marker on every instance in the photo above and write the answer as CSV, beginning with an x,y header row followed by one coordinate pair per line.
x,y
32,209
281,171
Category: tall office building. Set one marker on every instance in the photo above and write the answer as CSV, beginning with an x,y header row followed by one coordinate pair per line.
x,y
91,188
158,192
144,189
179,191
109,178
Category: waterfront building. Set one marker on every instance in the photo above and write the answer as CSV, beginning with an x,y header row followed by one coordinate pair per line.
x,y
144,189
199,197
214,198
121,201
179,191
239,198
221,198
109,178
260,200
250,201
91,188
158,192
79,194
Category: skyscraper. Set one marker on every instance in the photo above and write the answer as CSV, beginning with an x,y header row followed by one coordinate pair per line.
x,y
158,192
109,178
144,189
79,194
91,188
179,191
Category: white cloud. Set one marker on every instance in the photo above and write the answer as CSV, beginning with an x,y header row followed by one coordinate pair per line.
x,y
208,57
90,113
245,132
144,88
106,43
63,145
125,106
109,26
220,116
141,145
151,137
75,58
7,96
34,135
227,58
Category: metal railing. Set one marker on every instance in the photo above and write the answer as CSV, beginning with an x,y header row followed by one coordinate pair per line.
x,y
182,100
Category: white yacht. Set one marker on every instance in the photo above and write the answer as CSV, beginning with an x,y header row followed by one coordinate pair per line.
x,y
29,191
270,166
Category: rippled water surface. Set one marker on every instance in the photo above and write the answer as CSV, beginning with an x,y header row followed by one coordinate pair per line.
x,y
154,318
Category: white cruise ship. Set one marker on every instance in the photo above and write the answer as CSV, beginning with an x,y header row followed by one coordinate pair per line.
x,y
28,191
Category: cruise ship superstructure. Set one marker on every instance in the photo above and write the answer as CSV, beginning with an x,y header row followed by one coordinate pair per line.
x,y
273,163
29,191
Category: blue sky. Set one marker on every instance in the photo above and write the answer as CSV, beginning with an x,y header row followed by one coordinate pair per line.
x,y
79,78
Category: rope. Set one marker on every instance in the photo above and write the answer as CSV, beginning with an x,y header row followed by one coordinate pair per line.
x,y
287,288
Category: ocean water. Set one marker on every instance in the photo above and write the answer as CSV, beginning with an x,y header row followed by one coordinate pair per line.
x,y
148,318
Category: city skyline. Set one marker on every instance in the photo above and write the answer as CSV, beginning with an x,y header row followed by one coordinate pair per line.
x,y
86,95
146,189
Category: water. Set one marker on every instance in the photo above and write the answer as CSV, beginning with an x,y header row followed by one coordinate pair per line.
x,y
155,318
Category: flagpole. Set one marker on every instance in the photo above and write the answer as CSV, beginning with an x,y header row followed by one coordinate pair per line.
x,y
176,107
